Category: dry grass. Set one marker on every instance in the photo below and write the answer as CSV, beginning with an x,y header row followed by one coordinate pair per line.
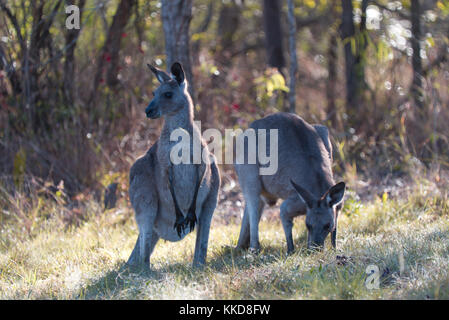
x,y
53,261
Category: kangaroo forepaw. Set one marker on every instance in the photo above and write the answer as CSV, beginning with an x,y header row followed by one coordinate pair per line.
x,y
190,221
180,226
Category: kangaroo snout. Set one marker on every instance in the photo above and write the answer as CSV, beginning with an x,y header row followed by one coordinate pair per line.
x,y
316,246
152,111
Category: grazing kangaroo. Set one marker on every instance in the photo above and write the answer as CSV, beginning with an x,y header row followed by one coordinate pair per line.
x,y
170,199
304,180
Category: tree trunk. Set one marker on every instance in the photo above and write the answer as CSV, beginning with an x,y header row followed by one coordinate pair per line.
x,y
417,85
202,28
111,47
113,41
71,38
332,79
176,17
355,44
273,34
32,61
348,33
332,64
362,44
228,23
293,58
204,97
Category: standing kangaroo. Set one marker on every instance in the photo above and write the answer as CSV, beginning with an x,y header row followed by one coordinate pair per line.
x,y
170,199
304,180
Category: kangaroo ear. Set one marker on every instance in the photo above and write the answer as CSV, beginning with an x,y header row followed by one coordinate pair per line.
x,y
335,194
178,72
161,75
303,194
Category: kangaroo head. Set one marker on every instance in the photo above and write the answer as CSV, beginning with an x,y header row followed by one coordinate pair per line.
x,y
171,96
321,215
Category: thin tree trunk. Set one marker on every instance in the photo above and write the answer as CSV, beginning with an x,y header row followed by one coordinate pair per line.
x,y
115,35
71,38
417,85
228,23
348,36
332,79
176,17
293,59
202,28
273,33
32,61
205,97
332,62
362,44
111,47
355,44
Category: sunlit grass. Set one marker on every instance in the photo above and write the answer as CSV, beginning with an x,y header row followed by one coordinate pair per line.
x,y
87,261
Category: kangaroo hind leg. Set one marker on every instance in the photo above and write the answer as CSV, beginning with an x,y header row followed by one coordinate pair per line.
x,y
135,255
244,237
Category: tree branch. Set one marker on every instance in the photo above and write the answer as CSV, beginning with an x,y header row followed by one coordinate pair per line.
x,y
305,22
15,24
10,72
207,19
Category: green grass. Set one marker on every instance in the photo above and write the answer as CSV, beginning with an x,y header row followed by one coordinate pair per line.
x,y
48,260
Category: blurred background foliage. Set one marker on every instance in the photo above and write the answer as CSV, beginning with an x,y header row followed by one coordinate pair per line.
x,y
72,101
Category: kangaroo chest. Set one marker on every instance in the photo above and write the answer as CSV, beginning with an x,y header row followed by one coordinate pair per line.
x,y
184,180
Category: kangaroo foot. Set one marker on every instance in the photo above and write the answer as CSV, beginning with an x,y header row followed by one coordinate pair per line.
x,y
254,251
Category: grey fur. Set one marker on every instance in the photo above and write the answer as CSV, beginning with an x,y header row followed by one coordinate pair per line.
x,y
305,158
149,190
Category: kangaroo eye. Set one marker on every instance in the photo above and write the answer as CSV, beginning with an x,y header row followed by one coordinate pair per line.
x,y
168,95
